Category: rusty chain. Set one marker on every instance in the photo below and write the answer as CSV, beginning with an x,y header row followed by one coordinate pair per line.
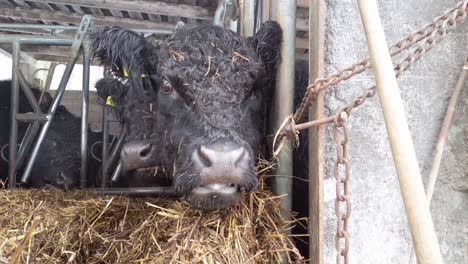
x,y
420,42
441,25
342,204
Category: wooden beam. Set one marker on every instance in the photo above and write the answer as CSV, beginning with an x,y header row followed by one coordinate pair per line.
x,y
302,43
303,3
404,156
317,14
142,6
65,17
302,24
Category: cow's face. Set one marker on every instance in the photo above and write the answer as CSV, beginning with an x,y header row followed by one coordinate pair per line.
x,y
197,110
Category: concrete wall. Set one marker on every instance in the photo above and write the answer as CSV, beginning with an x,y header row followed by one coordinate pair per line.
x,y
378,225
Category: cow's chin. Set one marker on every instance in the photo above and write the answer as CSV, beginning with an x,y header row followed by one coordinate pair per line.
x,y
214,196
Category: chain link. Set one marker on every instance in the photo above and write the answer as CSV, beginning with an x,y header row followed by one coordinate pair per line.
x,y
341,174
432,32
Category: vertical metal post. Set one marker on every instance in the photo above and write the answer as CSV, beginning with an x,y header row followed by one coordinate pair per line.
x,y
50,76
105,145
84,113
13,111
283,102
248,18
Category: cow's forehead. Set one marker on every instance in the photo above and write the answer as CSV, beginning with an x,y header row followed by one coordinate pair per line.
x,y
210,55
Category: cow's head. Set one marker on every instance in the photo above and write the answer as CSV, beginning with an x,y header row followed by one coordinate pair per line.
x,y
194,105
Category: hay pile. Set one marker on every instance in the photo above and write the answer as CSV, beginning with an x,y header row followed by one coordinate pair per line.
x,y
46,226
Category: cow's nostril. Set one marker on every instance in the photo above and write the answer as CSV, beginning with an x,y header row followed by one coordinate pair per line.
x,y
146,150
204,155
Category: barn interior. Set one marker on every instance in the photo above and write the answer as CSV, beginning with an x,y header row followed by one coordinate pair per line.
x,y
379,229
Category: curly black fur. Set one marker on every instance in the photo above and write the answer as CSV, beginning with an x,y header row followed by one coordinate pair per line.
x,y
220,81
118,49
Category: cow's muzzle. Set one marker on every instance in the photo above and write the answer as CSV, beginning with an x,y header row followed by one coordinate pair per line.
x,y
137,154
225,170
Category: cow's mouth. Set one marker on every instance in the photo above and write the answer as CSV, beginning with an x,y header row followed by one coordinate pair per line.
x,y
214,196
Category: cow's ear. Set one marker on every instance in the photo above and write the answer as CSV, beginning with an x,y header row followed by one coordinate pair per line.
x,y
126,53
267,43
113,93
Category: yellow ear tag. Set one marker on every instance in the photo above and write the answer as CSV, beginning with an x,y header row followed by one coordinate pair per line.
x,y
109,101
125,73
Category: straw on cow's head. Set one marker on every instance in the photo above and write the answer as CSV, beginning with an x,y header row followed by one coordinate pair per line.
x,y
194,105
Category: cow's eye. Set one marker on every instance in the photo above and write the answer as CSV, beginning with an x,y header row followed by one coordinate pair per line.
x,y
166,87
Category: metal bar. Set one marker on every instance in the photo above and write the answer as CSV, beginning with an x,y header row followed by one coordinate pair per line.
x,y
248,20
26,142
160,191
317,15
13,111
36,40
116,174
84,112
32,128
105,145
50,76
283,102
28,93
404,156
116,149
75,51
37,26
258,15
219,14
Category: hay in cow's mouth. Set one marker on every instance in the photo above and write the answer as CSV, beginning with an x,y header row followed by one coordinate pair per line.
x,y
50,226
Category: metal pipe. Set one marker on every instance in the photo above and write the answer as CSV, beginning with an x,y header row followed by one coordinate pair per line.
x,y
36,26
283,102
13,111
248,18
258,15
220,14
84,113
53,109
116,149
105,145
159,191
32,128
27,92
36,40
406,164
116,174
26,142
50,76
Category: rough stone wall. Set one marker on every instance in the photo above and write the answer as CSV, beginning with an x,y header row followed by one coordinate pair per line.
x,y
378,225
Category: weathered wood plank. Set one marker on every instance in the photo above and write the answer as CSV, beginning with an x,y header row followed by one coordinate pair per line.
x,y
64,17
317,14
146,6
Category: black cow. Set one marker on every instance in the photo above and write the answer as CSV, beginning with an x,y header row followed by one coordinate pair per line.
x,y
59,159
194,106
